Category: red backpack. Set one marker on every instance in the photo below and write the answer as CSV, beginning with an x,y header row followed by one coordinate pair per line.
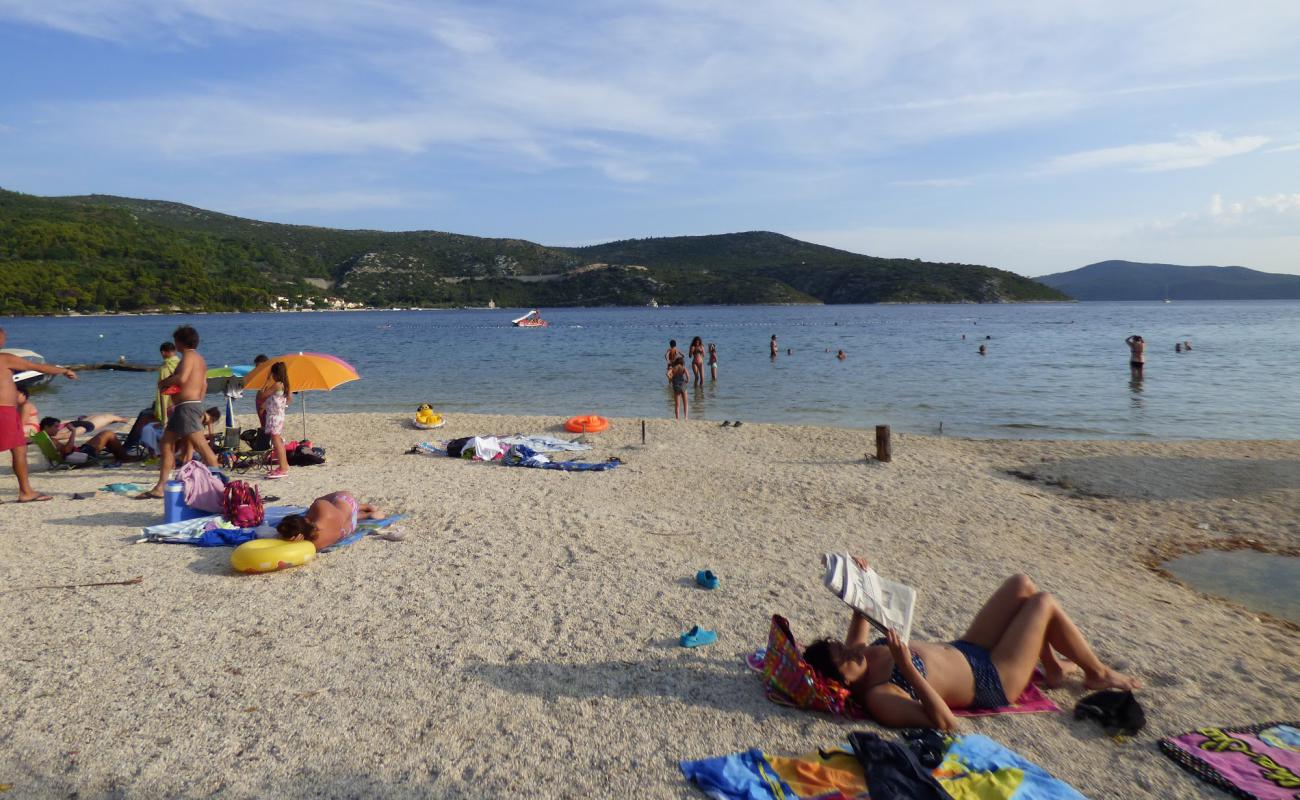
x,y
242,505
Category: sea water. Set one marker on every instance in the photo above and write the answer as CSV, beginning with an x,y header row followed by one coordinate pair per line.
x,y
1052,370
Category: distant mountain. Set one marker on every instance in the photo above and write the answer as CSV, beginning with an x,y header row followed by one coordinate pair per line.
x,y
104,253
1130,280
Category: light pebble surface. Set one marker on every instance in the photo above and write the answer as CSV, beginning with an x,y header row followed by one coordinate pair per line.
x,y
522,640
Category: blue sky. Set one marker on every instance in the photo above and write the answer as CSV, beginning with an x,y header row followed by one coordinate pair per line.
x,y
1034,136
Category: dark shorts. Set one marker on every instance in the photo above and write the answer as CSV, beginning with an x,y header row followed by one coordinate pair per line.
x,y
186,418
1136,364
988,684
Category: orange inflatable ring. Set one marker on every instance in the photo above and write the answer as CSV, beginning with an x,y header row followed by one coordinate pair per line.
x,y
588,424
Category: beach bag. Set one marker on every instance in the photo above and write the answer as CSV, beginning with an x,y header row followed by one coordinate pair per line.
x,y
792,681
305,457
1116,710
202,488
242,505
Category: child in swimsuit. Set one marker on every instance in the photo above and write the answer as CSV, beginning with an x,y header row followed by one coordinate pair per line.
x,y
989,665
679,377
329,519
713,361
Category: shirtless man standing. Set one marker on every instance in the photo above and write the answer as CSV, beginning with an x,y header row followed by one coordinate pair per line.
x,y
12,437
186,420
1137,354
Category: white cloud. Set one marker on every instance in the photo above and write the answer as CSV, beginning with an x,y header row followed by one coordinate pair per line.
x,y
1285,148
1275,215
1186,152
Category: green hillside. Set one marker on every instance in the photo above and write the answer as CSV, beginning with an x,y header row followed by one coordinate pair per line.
x,y
103,253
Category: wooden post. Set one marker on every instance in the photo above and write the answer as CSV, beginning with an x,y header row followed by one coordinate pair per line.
x,y
642,431
884,451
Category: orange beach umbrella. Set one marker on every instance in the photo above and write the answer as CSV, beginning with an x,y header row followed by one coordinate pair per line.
x,y
307,372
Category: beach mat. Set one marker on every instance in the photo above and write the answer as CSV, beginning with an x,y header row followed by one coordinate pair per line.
x,y
1031,701
974,767
1255,762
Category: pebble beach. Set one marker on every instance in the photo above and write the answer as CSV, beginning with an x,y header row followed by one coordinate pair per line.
x,y
522,639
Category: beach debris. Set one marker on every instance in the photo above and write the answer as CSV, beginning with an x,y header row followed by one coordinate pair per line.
x,y
706,579
129,582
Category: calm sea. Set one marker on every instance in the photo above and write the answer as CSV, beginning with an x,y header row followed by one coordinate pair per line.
x,y
1052,370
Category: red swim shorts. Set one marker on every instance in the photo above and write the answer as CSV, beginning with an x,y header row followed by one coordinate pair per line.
x,y
11,429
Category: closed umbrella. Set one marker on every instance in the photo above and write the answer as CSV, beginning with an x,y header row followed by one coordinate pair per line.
x,y
307,372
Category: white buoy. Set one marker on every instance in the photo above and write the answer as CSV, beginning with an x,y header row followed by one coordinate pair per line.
x,y
101,336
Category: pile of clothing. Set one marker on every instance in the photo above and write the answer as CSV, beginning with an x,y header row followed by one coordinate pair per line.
x,y
516,451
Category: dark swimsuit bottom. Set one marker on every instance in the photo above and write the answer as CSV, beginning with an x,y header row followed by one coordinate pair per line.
x,y
988,684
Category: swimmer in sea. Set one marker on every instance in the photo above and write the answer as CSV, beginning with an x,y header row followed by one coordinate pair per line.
x,y
713,361
840,355
1137,354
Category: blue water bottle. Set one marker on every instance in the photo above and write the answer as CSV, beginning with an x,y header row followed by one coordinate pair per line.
x,y
174,502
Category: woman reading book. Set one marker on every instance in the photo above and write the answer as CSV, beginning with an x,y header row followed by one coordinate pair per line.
x,y
918,686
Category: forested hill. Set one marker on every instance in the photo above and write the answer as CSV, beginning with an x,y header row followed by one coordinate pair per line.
x,y
1130,280
103,253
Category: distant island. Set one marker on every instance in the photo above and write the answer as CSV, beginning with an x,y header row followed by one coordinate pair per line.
x,y
99,253
1131,280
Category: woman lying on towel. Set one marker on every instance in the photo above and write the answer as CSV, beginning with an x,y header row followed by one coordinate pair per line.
x,y
328,520
994,660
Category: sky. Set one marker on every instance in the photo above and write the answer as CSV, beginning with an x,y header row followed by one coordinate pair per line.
x,y
1036,136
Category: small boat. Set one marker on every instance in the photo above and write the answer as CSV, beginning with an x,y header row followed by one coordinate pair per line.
x,y
533,319
29,378
653,303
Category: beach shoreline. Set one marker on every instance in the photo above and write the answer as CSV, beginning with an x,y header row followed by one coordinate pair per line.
x,y
523,638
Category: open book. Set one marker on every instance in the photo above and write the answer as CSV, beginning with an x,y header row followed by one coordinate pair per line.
x,y
886,604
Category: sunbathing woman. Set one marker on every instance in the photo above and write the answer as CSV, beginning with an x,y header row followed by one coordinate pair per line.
x,y
993,661
329,519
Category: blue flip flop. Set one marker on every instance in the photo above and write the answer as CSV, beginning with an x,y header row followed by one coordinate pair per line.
x,y
706,579
698,637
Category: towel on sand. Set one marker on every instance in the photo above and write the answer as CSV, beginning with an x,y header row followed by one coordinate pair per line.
x,y
212,531
1256,762
974,768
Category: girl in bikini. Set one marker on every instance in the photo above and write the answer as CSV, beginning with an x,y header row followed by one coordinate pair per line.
x,y
989,665
697,360
328,520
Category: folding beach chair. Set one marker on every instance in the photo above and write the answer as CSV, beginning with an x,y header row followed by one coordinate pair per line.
x,y
55,459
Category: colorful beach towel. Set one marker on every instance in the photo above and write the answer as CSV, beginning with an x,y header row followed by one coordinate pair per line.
x,y
213,531
792,682
1256,762
974,768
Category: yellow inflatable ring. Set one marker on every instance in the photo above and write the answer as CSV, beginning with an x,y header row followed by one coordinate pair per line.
x,y
588,424
269,555
428,421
